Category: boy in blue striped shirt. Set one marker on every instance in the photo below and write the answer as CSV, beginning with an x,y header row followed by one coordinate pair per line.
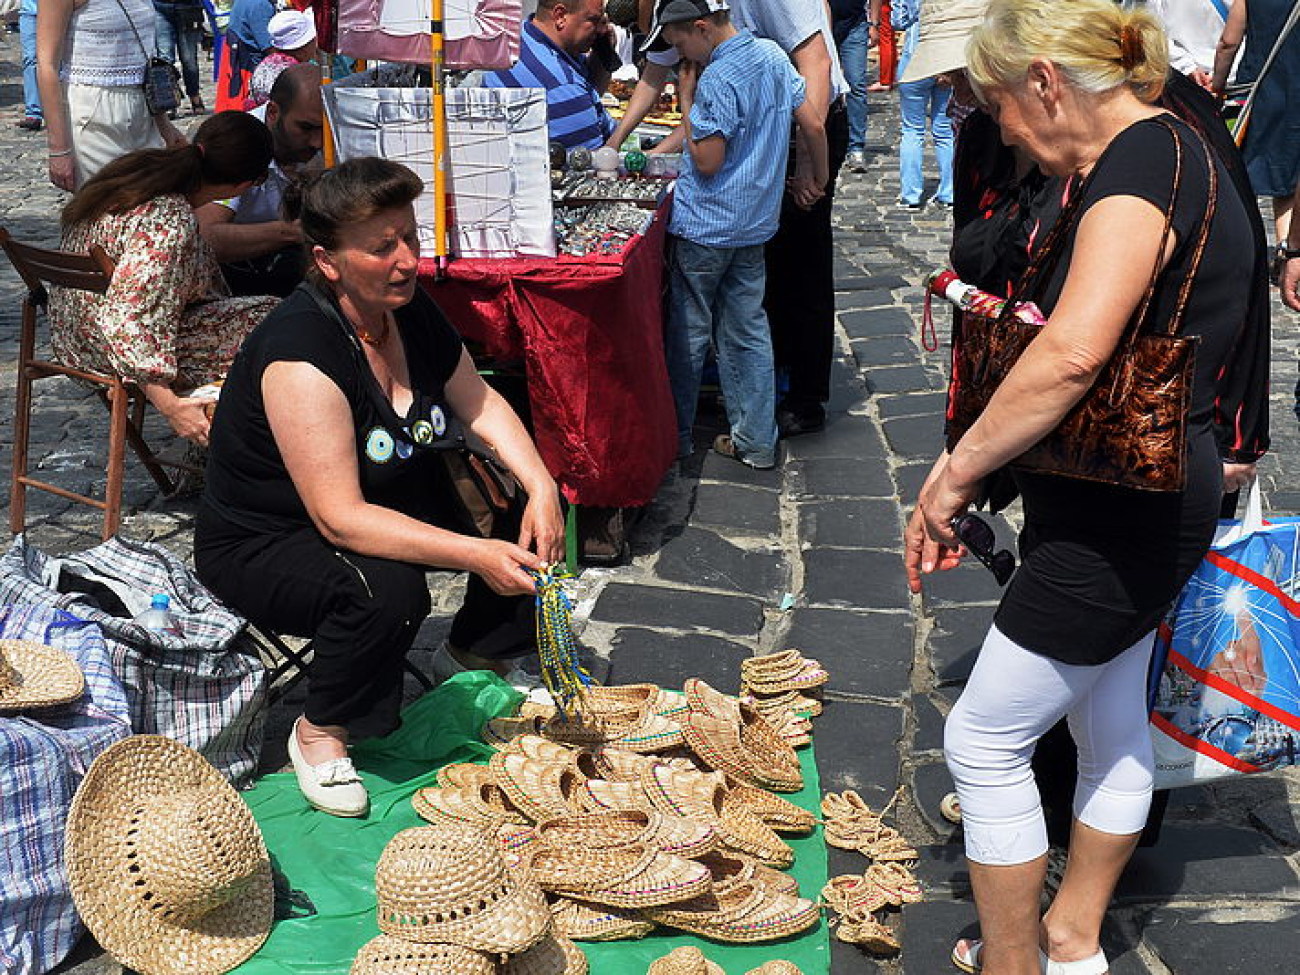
x,y
736,111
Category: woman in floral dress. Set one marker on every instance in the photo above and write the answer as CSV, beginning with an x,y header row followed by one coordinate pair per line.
x,y
167,322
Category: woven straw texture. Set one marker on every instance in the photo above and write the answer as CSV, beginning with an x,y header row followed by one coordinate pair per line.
x,y
728,869
781,814
705,699
583,921
539,790
743,914
482,808
671,834
165,861
686,960
749,751
778,966
463,775
386,955
553,955
785,671
447,886
33,675
633,875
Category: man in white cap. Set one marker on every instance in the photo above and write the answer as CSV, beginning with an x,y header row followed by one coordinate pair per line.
x,y
800,297
259,249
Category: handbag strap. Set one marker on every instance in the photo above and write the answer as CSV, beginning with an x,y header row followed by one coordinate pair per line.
x,y
1282,35
143,50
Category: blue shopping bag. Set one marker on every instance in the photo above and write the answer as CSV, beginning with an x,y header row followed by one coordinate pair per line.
x,y
1226,695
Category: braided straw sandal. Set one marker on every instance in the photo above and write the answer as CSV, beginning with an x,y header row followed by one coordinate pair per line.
x,y
516,844
540,749
464,775
539,790
499,732
750,751
632,727
781,814
669,834
483,808
788,670
793,702
636,875
583,921
553,955
705,699
671,704
895,880
745,914
729,868
851,892
864,930
703,798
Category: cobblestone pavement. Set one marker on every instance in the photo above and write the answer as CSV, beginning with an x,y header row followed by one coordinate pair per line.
x,y
728,562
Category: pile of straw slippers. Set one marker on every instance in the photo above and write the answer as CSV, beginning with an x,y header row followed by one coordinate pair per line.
x,y
850,824
448,903
785,688
650,808
689,960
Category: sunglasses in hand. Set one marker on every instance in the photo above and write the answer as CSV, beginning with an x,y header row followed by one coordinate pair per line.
x,y
977,536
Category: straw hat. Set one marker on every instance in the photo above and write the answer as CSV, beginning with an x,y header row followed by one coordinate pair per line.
x,y
553,955
33,675
943,30
778,966
166,864
451,886
686,960
386,955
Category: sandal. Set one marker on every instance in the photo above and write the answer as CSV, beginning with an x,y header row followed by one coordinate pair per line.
x,y
868,933
1093,965
583,921
851,893
896,881
966,955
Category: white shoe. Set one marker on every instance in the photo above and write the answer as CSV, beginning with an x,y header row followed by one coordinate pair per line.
x,y
332,787
529,686
1095,965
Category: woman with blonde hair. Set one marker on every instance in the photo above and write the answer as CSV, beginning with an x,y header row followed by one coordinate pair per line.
x,y
1073,87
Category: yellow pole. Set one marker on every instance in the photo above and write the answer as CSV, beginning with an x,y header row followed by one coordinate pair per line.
x,y
327,134
439,121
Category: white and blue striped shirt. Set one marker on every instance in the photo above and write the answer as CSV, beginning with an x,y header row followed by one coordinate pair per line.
x,y
746,94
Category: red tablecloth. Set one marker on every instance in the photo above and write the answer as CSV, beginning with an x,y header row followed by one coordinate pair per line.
x,y
590,332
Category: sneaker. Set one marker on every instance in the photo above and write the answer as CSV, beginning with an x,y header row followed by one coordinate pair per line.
x,y
942,205
32,123
904,205
332,787
856,161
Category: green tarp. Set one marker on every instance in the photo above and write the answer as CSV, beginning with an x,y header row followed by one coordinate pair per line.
x,y
329,863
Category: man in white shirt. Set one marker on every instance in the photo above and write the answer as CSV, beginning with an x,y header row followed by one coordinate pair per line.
x,y
260,251
1194,27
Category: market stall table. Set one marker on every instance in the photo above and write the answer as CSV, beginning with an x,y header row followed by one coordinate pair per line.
x,y
589,331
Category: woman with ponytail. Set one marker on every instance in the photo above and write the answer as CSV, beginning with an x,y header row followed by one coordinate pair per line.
x,y
1074,87
166,323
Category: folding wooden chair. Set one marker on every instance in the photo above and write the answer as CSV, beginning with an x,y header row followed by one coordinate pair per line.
x,y
38,267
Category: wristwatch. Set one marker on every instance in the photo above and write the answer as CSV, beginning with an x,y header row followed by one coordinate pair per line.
x,y
1289,253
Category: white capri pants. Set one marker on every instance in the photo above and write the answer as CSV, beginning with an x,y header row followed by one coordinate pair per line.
x,y
1012,698
108,123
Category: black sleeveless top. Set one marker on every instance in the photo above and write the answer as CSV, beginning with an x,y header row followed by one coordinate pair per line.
x,y
248,486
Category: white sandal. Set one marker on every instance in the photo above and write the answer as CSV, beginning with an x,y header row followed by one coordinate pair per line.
x,y
1093,965
969,959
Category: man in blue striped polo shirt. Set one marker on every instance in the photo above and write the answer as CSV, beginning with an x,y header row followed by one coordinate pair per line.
x,y
553,55
736,115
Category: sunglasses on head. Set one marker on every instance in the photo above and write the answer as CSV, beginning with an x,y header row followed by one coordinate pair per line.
x,y
977,536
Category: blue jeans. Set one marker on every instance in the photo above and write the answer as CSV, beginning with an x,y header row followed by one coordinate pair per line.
x,y
853,59
177,30
31,94
924,102
716,293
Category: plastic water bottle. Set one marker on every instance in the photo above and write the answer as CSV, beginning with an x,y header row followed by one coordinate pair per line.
x,y
158,616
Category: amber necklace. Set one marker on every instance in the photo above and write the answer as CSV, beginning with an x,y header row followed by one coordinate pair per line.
x,y
377,338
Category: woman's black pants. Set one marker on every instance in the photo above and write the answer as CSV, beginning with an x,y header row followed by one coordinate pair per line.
x,y
361,613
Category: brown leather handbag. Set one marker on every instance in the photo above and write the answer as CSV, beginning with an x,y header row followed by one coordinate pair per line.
x,y
1130,429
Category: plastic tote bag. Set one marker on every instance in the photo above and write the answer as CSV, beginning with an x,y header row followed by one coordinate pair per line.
x,y
1226,701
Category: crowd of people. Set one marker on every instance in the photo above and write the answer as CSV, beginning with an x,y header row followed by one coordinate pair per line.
x,y
1081,151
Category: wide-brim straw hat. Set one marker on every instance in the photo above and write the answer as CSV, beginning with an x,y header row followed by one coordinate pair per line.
x,y
165,862
451,886
33,675
686,960
553,955
944,28
386,955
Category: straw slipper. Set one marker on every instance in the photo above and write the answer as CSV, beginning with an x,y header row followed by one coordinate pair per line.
x,y
779,813
583,921
751,751
540,749
868,933
730,868
852,893
896,881
464,775
499,732
516,844
630,726
671,704
670,834
483,808
705,699
539,790
636,875
743,914
788,670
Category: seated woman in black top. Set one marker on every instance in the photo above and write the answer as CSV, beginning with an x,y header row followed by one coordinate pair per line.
x,y
325,500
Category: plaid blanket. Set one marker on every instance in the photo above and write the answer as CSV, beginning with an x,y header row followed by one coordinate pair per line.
x,y
43,756
206,688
